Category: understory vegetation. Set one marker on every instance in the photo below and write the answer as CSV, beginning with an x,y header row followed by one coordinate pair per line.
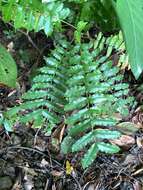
x,y
84,81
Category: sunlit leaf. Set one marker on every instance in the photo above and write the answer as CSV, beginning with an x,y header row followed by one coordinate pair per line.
x,y
8,68
130,14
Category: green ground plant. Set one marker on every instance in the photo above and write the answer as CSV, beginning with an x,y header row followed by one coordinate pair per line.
x,y
79,83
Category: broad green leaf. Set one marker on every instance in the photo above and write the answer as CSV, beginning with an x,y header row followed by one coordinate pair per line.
x,y
113,72
48,28
7,13
7,125
121,86
80,27
18,21
100,98
90,156
67,144
107,148
13,111
104,122
83,141
77,116
30,117
130,13
34,95
75,92
30,20
38,121
8,69
51,116
128,127
106,134
76,129
81,102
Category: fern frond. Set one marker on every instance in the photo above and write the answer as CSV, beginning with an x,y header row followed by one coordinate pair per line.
x,y
95,95
33,14
80,84
43,104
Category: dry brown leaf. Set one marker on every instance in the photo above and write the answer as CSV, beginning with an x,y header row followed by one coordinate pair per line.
x,y
61,133
57,131
130,159
124,141
40,144
128,128
139,171
57,136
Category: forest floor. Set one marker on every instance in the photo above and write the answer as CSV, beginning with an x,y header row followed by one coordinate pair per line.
x,y
29,159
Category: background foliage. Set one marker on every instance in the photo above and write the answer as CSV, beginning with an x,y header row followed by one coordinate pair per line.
x,y
34,15
130,13
8,69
